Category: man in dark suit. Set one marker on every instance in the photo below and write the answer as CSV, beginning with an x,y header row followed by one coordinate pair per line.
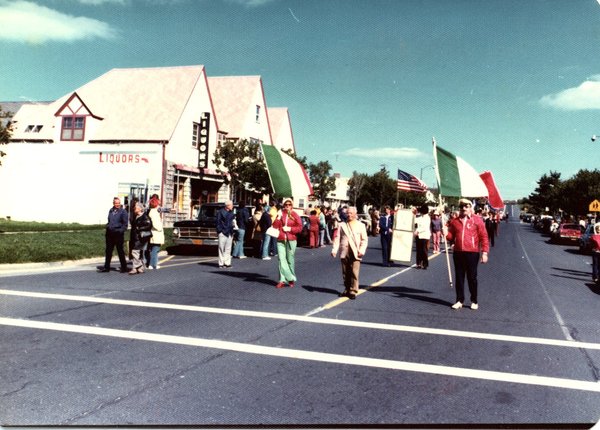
x,y
386,229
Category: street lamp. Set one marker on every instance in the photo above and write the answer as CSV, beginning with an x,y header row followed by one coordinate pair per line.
x,y
430,166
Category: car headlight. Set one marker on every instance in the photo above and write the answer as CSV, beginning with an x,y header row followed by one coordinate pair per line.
x,y
176,232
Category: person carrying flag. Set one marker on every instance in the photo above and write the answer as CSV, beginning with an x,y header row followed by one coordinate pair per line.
x,y
470,238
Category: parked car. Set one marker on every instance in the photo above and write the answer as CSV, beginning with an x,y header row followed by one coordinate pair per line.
x,y
585,244
567,233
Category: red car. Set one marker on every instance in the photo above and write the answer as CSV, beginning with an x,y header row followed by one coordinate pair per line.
x,y
567,233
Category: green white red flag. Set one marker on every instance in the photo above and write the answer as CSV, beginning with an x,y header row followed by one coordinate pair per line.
x,y
494,198
456,177
288,177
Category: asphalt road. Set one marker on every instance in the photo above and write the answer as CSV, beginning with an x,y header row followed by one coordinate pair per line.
x,y
193,344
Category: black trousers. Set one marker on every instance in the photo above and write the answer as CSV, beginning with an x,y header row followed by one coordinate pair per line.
x,y
422,252
465,263
115,239
386,248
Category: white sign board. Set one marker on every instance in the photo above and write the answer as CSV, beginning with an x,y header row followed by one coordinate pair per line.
x,y
402,238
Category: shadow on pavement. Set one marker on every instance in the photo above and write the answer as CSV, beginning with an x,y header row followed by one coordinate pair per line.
x,y
411,293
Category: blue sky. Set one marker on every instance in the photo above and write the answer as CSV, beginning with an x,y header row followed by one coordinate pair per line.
x,y
511,86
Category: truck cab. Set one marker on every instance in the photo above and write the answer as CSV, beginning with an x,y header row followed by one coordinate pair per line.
x,y
201,231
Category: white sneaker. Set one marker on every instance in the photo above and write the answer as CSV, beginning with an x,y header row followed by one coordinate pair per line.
x,y
457,305
242,257
474,306
266,258
150,268
157,267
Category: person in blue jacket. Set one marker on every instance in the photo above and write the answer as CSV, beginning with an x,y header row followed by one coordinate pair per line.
x,y
115,235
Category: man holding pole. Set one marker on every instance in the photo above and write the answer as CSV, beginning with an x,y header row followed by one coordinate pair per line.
x,y
470,237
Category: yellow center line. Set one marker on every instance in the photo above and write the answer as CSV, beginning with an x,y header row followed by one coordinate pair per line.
x,y
375,284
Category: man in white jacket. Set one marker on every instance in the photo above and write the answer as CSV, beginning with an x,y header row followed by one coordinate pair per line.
x,y
352,240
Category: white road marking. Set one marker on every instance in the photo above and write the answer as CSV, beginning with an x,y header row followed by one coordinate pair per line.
x,y
559,318
487,375
310,319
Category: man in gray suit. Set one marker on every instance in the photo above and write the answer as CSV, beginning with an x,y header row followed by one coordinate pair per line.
x,y
352,240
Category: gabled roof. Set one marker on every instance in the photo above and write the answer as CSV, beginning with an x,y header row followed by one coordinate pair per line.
x,y
279,121
134,104
231,97
138,104
38,114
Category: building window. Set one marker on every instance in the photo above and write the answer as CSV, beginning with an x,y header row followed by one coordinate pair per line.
x,y
195,134
257,114
33,128
72,128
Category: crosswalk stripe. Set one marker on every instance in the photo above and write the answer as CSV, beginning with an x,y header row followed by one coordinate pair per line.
x,y
312,355
310,319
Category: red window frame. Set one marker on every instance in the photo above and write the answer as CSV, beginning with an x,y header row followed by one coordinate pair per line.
x,y
72,127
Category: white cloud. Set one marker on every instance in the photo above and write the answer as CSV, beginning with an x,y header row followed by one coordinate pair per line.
x,y
100,2
585,96
385,153
24,21
252,3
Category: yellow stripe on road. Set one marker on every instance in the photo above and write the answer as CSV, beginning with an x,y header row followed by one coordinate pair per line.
x,y
310,319
322,357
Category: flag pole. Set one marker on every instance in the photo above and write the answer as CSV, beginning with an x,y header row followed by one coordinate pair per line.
x,y
440,208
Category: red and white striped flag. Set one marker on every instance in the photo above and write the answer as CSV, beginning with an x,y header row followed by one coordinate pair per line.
x,y
408,182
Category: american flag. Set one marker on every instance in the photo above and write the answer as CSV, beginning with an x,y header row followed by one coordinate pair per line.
x,y
408,182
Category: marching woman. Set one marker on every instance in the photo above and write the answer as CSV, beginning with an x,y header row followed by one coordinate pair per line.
x,y
289,225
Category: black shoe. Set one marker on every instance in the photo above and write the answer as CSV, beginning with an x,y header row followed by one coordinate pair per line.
x,y
124,270
352,296
103,270
343,294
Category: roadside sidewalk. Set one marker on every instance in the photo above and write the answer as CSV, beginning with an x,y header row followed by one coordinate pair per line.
x,y
12,269
28,268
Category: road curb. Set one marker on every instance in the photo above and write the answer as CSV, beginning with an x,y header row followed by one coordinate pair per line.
x,y
32,267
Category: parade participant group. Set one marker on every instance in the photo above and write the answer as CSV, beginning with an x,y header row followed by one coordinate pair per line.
x,y
273,230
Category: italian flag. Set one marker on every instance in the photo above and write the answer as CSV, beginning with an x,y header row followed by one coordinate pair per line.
x,y
494,199
456,177
288,177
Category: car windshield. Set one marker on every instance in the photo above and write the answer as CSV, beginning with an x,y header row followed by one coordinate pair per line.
x,y
208,212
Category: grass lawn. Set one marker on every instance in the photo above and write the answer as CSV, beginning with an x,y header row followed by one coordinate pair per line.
x,y
43,242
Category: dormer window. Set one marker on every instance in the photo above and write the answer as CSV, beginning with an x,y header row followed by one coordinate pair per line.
x,y
72,128
33,128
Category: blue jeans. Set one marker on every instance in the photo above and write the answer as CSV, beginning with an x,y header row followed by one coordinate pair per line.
x,y
238,248
265,245
154,248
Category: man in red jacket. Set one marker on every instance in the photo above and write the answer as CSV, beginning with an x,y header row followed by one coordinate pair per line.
x,y
470,237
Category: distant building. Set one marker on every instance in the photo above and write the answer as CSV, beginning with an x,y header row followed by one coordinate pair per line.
x,y
339,195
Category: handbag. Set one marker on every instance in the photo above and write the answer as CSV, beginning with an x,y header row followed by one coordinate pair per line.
x,y
273,232
144,235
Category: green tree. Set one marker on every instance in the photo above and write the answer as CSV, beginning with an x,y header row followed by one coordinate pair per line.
x,y
577,192
242,160
356,185
322,180
380,189
5,132
546,195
